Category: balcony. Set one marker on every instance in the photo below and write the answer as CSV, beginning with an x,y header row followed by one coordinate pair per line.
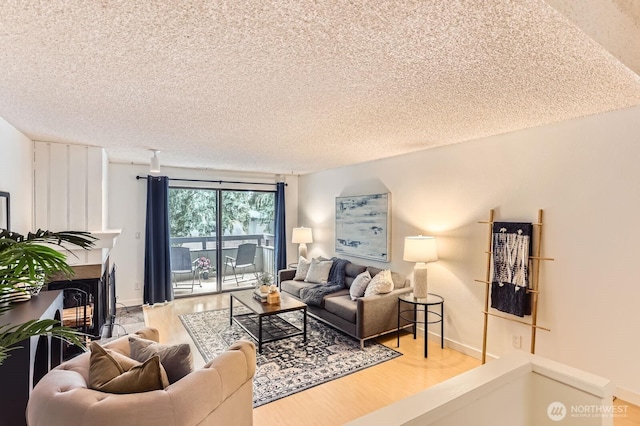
x,y
205,247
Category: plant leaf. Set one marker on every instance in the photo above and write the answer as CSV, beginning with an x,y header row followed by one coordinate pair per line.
x,y
11,335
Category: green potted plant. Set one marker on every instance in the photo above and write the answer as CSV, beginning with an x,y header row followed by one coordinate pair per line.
x,y
265,280
25,264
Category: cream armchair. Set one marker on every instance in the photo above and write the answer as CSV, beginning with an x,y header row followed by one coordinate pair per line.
x,y
220,393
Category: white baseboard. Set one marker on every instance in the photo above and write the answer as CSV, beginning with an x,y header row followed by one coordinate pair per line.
x,y
627,395
129,302
459,347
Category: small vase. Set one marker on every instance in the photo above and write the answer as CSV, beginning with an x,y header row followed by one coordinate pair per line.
x,y
205,275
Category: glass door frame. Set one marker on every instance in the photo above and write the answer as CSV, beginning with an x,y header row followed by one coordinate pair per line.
x,y
219,234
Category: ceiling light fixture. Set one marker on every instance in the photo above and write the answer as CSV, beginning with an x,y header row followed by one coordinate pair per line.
x,y
155,162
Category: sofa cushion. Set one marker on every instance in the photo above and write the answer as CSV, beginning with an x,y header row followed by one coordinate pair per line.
x,y
293,287
359,285
399,280
342,306
374,271
110,371
351,271
302,269
339,293
177,360
380,284
319,271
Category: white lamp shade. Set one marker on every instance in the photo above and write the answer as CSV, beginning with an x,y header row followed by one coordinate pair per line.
x,y
420,249
301,236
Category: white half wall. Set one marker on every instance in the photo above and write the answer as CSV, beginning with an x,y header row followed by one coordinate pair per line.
x,y
16,175
127,200
584,175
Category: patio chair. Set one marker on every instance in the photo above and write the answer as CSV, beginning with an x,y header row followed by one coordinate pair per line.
x,y
181,263
245,258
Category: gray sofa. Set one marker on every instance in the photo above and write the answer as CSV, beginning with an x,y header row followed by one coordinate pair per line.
x,y
364,318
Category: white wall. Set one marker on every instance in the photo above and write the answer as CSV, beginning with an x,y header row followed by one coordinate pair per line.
x,y
583,173
69,187
16,175
127,209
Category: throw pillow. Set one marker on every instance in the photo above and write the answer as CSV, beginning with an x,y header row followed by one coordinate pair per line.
x,y
302,270
318,271
359,285
110,371
177,360
380,284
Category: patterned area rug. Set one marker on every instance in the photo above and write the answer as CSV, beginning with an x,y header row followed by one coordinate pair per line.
x,y
287,366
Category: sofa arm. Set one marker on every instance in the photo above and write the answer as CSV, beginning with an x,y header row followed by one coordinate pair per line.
x,y
236,363
378,313
286,275
224,384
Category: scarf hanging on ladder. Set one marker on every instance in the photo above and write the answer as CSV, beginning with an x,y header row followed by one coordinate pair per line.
x,y
511,245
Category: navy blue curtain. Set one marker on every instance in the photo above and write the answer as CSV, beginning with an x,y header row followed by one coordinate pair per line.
x,y
280,231
157,256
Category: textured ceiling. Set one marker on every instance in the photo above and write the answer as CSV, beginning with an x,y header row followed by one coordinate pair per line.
x,y
614,24
298,86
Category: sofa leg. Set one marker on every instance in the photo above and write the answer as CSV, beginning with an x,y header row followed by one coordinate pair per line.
x,y
361,344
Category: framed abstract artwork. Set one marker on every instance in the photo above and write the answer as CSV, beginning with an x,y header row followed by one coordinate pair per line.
x,y
363,226
5,210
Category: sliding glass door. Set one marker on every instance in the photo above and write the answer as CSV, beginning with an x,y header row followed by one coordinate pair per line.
x,y
248,219
229,236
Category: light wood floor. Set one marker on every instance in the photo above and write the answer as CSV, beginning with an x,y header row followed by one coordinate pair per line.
x,y
350,397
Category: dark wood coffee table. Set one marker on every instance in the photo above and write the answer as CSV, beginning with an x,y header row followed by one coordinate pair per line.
x,y
263,323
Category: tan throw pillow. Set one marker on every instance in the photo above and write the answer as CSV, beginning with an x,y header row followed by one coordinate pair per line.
x,y
110,371
303,268
177,360
359,285
318,271
380,284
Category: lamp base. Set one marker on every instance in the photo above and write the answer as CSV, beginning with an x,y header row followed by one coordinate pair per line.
x,y
302,250
420,289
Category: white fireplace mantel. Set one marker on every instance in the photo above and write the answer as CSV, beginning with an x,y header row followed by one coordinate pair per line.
x,y
105,241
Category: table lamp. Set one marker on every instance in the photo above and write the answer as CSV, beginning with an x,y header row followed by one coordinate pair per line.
x,y
302,236
422,250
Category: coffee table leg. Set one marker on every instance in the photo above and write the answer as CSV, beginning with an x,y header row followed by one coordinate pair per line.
x,y
260,334
230,310
304,313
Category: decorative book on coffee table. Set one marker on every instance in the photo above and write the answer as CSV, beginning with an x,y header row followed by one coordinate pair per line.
x,y
258,295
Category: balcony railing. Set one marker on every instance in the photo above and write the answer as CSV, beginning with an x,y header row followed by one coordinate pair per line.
x,y
205,246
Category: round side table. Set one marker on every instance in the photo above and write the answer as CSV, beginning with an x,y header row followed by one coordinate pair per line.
x,y
426,303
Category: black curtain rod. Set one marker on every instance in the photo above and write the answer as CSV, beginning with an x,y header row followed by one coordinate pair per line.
x,y
215,181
